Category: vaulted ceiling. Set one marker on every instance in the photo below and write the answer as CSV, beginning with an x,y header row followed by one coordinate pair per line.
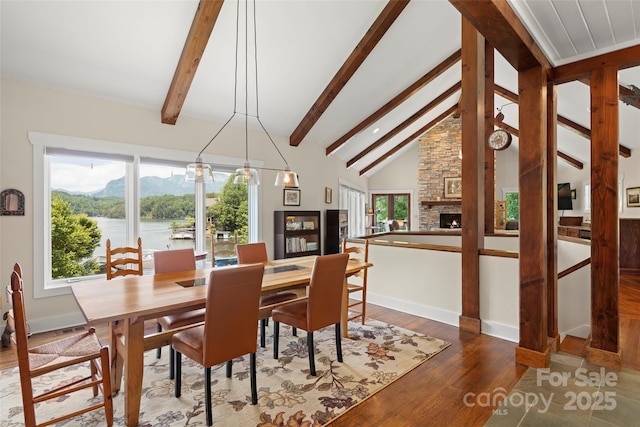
x,y
362,79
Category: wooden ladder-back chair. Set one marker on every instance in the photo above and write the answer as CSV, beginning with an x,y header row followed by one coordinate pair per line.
x,y
168,262
256,253
322,308
360,284
223,251
229,330
124,261
59,354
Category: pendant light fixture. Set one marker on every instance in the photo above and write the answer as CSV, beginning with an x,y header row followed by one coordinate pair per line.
x,y
202,172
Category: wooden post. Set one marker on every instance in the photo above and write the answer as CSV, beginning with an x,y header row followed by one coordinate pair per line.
x,y
489,154
533,349
472,173
552,228
603,349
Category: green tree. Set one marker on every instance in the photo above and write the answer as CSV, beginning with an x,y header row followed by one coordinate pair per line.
x,y
231,211
513,207
74,237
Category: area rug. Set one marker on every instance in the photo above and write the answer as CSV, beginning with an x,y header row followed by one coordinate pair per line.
x,y
375,355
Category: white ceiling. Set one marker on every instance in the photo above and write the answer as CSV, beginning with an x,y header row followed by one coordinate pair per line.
x,y
128,51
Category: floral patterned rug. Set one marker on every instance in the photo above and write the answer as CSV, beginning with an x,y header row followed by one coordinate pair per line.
x,y
376,355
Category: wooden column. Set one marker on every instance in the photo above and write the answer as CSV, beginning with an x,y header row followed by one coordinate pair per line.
x,y
552,228
489,154
603,349
533,349
472,173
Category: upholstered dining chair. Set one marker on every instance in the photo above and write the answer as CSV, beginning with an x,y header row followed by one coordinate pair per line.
x,y
229,329
55,355
321,309
360,283
124,261
168,262
253,253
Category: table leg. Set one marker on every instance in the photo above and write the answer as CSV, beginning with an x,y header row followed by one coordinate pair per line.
x,y
133,333
344,321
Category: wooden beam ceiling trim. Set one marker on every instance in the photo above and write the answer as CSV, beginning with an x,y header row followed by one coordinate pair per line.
x,y
563,121
203,22
409,139
623,58
415,116
626,94
375,33
397,100
572,161
502,28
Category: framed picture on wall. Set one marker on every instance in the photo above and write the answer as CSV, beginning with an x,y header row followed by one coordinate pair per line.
x,y
453,187
633,197
291,197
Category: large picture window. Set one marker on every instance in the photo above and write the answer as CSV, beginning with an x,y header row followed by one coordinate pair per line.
x,y
85,197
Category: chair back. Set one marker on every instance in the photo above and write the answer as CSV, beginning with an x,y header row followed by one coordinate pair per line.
x,y
124,261
252,253
18,317
360,253
174,260
325,291
231,315
224,251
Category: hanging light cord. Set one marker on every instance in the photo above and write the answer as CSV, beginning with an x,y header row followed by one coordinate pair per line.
x,y
246,86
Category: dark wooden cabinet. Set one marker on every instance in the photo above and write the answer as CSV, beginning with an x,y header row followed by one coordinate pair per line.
x,y
336,229
296,233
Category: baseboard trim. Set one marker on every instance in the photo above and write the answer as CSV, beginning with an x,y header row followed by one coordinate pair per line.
x,y
432,313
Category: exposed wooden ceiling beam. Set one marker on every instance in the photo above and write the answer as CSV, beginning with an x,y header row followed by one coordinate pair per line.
x,y
415,116
409,139
623,58
502,28
562,121
572,161
378,29
397,100
626,95
201,27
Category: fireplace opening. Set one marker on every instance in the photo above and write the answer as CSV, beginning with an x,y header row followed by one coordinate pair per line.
x,y
450,220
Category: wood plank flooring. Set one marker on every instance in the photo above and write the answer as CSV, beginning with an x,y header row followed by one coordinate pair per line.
x,y
434,393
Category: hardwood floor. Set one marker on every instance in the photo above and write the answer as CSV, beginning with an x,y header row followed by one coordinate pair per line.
x,y
434,393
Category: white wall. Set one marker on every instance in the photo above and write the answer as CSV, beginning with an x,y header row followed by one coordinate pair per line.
x,y
26,107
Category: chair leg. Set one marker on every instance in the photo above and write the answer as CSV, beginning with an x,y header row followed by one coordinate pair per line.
x,y
178,374
107,394
159,350
172,362
94,376
276,338
294,331
312,356
338,342
263,332
207,395
229,368
254,383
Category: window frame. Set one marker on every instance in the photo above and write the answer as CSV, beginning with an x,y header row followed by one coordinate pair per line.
x,y
44,286
390,194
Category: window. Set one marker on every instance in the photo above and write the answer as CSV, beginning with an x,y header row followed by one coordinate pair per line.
x,y
512,197
353,200
392,207
82,198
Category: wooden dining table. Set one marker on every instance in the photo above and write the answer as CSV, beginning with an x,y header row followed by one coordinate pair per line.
x,y
124,304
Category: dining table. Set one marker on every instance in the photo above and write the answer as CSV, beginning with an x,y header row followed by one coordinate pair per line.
x,y
126,303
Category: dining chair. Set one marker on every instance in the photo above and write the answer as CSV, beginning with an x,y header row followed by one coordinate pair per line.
x,y
168,262
223,251
322,307
360,253
55,355
124,261
253,253
229,330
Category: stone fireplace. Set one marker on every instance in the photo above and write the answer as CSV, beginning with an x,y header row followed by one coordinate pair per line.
x,y
450,220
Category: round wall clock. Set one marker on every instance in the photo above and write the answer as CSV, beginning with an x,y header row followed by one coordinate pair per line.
x,y
499,139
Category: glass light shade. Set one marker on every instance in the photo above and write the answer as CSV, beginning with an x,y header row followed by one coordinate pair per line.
x,y
198,172
246,175
287,179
